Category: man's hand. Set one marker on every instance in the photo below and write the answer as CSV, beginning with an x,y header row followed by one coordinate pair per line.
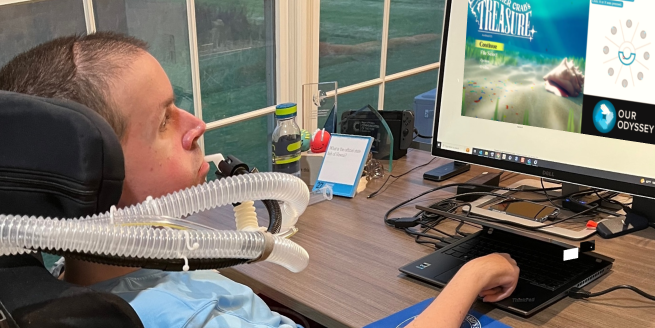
x,y
498,274
493,277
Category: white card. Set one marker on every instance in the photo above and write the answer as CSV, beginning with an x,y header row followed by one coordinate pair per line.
x,y
343,163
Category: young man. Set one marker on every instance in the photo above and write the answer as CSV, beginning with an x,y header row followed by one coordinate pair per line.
x,y
116,76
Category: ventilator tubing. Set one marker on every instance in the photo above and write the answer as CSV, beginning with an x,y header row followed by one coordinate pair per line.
x,y
129,232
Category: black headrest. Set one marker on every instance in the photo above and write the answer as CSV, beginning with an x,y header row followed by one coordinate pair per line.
x,y
57,158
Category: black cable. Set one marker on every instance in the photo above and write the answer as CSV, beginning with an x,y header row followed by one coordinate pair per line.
x,y
578,293
615,202
459,226
420,135
484,193
386,215
375,193
546,193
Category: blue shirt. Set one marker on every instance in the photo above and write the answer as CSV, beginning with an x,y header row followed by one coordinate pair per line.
x,y
192,299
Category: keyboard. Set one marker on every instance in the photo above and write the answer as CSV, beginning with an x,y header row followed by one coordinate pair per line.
x,y
540,265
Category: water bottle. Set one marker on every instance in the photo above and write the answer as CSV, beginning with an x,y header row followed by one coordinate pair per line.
x,y
286,140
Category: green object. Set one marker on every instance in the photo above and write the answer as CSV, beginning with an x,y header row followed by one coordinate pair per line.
x,y
464,102
570,126
286,110
526,117
496,111
305,138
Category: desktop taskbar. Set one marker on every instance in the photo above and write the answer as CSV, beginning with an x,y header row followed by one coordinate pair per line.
x,y
537,162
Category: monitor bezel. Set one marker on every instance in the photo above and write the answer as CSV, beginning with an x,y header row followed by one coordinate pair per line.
x,y
558,175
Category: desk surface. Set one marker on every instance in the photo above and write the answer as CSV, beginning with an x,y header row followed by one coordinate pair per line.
x,y
353,278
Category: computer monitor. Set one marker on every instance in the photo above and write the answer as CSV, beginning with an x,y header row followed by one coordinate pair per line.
x,y
560,90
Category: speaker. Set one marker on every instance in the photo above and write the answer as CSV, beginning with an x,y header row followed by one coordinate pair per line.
x,y
401,124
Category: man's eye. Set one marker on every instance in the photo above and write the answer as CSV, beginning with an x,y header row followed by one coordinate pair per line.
x,y
165,122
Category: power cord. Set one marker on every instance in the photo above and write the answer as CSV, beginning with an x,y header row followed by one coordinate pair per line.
x,y
420,135
578,293
377,192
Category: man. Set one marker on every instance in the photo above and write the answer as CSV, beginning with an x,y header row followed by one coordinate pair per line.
x,y
116,76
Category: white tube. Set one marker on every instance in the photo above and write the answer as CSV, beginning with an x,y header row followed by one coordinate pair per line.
x,y
245,217
102,238
122,232
286,188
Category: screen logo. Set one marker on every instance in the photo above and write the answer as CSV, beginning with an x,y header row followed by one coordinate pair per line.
x,y
503,17
604,116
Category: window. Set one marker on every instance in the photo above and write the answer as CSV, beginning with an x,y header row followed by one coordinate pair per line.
x,y
251,135
234,51
414,34
385,51
163,24
236,56
350,41
25,25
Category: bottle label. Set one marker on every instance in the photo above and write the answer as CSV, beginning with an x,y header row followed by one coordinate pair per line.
x,y
286,149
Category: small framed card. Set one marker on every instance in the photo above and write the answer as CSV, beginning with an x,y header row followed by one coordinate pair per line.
x,y
343,164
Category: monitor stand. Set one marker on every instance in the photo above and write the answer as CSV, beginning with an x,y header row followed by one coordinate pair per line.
x,y
617,225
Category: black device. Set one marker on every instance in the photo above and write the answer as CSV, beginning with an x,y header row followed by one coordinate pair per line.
x,y
544,278
613,228
526,210
365,123
446,171
485,178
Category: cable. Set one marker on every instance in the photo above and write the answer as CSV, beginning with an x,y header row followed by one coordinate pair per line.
x,y
484,193
615,202
578,293
375,193
420,135
546,193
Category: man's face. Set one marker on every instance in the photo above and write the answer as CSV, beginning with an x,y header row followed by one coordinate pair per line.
x,y
160,144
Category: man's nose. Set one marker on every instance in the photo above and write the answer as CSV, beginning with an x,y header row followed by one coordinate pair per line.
x,y
193,129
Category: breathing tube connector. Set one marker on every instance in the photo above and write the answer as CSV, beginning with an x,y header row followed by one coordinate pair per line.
x,y
244,212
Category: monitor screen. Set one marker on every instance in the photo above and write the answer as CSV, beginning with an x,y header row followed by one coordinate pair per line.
x,y
558,89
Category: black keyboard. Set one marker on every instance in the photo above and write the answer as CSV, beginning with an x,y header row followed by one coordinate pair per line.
x,y
539,265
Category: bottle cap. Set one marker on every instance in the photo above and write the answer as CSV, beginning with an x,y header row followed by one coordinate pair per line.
x,y
286,110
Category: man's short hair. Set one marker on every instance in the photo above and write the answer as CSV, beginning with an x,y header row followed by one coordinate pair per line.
x,y
77,68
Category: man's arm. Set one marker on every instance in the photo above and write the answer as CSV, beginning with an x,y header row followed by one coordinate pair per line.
x,y
493,277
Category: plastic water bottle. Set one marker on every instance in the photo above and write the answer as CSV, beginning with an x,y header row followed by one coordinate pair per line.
x,y
286,140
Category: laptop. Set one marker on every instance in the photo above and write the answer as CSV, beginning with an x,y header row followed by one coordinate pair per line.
x,y
544,279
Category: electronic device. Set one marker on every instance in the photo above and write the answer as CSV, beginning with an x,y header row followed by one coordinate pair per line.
x,y
599,133
485,178
365,122
446,171
618,227
526,210
544,277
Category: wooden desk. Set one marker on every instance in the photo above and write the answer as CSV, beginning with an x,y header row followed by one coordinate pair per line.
x,y
353,278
